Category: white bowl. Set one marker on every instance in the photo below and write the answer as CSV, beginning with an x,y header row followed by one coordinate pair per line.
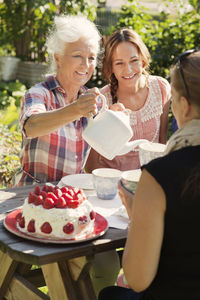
x,y
130,179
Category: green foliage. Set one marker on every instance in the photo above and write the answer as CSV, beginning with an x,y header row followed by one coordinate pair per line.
x,y
106,19
11,93
134,16
24,24
76,7
10,116
10,133
165,36
10,145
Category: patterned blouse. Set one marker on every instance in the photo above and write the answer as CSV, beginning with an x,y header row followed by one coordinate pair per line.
x,y
145,122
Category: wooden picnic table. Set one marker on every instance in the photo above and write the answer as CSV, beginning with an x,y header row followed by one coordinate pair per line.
x,y
63,268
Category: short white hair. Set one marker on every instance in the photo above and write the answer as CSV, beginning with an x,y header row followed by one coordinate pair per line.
x,y
69,29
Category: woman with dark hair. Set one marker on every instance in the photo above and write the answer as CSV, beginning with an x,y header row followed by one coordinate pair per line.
x,y
125,69
161,259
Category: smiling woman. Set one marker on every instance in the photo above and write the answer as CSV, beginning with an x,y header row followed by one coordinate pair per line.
x,y
55,112
77,63
125,68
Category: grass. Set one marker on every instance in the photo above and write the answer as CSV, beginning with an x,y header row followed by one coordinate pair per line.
x,y
43,289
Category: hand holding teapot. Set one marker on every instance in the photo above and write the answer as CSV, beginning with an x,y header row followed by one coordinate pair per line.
x,y
109,132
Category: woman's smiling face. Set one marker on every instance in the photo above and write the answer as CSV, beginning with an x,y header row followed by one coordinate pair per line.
x,y
76,65
126,63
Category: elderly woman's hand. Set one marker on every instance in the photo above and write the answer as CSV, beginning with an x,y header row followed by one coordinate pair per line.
x,y
87,102
126,198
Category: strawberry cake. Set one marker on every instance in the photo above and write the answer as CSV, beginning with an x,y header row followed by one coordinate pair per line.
x,y
58,213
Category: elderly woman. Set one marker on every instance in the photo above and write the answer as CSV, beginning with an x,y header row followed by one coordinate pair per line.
x,y
162,254
54,114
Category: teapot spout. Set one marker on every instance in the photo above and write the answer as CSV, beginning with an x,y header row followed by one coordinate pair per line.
x,y
130,146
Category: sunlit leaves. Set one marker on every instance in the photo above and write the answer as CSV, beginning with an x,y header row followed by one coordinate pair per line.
x,y
10,145
166,35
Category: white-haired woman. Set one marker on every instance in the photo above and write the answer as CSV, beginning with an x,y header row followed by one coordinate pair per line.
x,y
54,114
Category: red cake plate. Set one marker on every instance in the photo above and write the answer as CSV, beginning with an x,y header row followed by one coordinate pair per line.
x,y
100,227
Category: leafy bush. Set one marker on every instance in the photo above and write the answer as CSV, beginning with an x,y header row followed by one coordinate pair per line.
x,y
10,135
10,117
10,145
24,24
75,7
166,36
11,92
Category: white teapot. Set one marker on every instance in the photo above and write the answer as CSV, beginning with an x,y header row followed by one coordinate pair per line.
x,y
109,133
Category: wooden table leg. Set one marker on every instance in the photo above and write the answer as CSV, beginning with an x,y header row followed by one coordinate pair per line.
x,y
54,281
85,286
79,269
7,267
69,280
12,285
23,269
22,289
34,276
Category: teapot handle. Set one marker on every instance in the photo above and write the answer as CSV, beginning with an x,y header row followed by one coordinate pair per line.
x,y
103,108
104,103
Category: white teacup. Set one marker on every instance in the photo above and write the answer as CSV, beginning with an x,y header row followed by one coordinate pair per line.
x,y
105,182
149,151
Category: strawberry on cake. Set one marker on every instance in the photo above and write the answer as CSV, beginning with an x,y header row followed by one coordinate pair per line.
x,y
58,213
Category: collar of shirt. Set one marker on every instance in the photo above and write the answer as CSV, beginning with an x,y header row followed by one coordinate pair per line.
x,y
53,84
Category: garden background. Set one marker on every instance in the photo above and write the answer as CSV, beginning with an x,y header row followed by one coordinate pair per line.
x,y
170,28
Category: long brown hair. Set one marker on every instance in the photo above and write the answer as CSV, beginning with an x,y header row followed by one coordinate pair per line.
x,y
191,70
119,36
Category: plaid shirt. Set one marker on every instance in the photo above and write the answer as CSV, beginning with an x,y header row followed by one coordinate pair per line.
x,y
50,157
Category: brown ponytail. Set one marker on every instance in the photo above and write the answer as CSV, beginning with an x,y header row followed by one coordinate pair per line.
x,y
113,88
